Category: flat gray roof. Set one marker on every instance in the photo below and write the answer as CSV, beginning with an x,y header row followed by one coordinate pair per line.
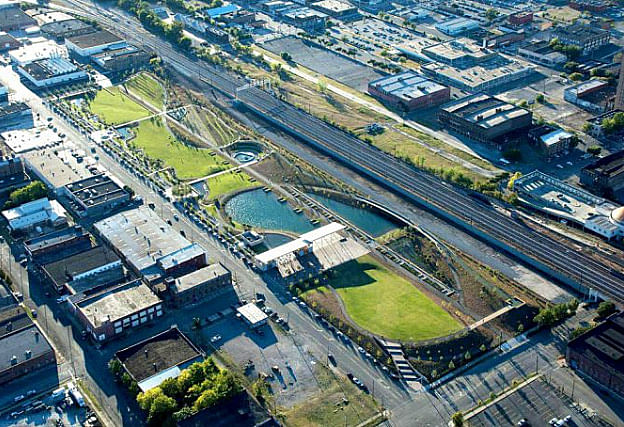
x,y
141,236
200,276
407,85
118,303
18,344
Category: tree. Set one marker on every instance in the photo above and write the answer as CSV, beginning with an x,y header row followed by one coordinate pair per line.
x,y
540,98
594,150
161,408
286,56
605,309
115,366
33,191
576,77
458,419
491,14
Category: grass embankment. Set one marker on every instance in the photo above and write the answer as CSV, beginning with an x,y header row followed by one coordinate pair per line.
x,y
386,304
228,182
327,407
147,88
188,161
114,107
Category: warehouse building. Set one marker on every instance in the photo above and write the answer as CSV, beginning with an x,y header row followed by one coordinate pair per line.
x,y
56,245
605,176
457,26
13,18
36,213
592,95
16,116
587,38
158,358
599,353
23,348
96,195
149,245
84,46
337,9
120,59
542,53
205,283
51,72
8,42
113,311
484,118
33,52
564,201
307,19
60,30
409,91
551,140
94,268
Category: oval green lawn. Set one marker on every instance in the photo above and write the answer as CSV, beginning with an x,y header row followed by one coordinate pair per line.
x,y
386,304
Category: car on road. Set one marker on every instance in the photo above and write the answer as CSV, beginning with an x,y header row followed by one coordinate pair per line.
x,y
31,392
331,358
302,304
361,350
215,338
176,217
19,398
62,299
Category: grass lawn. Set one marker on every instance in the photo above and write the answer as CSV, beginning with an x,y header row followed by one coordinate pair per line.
x,y
326,407
189,162
228,182
386,304
147,88
114,108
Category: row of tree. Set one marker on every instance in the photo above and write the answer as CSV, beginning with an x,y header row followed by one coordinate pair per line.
x,y
33,191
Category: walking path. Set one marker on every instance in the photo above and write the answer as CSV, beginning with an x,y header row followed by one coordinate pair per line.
x,y
411,376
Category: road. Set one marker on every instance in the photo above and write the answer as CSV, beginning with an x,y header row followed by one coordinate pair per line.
x,y
448,201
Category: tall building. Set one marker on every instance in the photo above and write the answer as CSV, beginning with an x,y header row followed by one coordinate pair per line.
x,y
619,95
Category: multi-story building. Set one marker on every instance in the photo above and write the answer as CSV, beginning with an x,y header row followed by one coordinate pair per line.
x,y
484,118
205,283
36,213
84,46
598,353
8,42
59,244
108,313
589,5
94,268
542,53
23,348
51,72
520,18
409,91
16,116
619,94
605,176
585,37
337,9
121,59
551,140
95,195
592,95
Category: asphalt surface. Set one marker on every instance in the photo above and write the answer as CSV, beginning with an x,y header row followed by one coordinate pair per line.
x,y
420,187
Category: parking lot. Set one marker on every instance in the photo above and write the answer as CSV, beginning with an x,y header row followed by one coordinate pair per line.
x,y
326,62
537,403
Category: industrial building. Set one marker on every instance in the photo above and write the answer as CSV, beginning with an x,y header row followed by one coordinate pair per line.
x,y
591,95
60,30
307,19
12,174
13,18
457,26
56,245
520,18
52,165
551,140
36,213
96,195
409,91
149,245
91,269
158,358
84,46
563,201
16,116
8,42
122,58
33,52
589,5
23,348
205,283
542,53
312,253
208,32
467,65
619,94
605,176
113,311
484,118
51,72
587,38
599,353
337,9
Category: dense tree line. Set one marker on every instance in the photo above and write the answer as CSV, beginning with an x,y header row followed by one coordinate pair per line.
x,y
33,191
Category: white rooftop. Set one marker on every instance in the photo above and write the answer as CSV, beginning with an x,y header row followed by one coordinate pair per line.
x,y
555,136
252,313
23,140
35,212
